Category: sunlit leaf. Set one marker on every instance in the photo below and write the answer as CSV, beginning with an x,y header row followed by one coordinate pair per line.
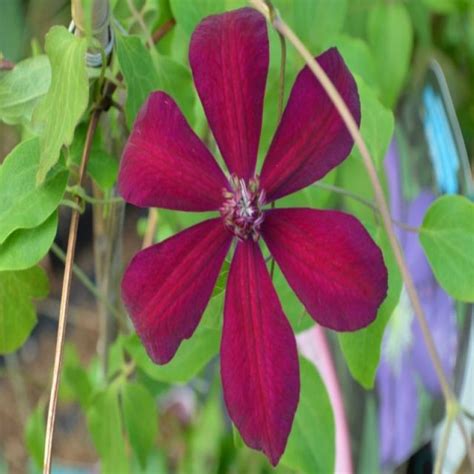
x,y
17,312
59,112
105,425
21,88
24,205
390,35
311,446
26,247
141,419
361,349
447,237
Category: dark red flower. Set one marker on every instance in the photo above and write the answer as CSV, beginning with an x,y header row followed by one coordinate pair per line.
x,y
328,258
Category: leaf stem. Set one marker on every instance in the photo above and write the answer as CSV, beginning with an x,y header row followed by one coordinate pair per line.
x,y
272,15
365,202
84,279
66,289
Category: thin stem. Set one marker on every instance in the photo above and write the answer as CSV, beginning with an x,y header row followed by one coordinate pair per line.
x,y
441,454
365,202
139,19
353,129
281,100
150,231
467,442
84,279
71,247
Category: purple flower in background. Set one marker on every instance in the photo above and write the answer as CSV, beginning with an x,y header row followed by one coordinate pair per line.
x,y
405,361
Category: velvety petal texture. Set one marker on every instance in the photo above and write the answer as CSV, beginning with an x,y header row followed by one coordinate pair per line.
x,y
259,363
167,286
229,60
166,165
312,138
330,262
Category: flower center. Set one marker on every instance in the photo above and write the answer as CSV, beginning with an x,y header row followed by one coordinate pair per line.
x,y
242,208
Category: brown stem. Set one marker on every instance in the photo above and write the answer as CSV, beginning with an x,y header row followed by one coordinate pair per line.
x,y
71,247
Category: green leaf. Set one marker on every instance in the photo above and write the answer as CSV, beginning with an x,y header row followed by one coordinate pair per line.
x,y
138,71
23,205
390,35
21,88
311,445
17,312
35,435
193,354
103,169
188,13
58,114
144,74
447,237
141,419
377,124
314,21
105,426
26,247
361,349
75,382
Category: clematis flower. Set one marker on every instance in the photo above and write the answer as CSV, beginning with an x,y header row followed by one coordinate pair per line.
x,y
405,363
327,257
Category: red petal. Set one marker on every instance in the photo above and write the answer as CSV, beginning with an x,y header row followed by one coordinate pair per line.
x,y
259,362
311,138
166,165
229,60
330,262
166,287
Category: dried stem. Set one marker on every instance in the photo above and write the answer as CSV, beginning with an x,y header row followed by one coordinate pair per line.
x,y
71,247
272,15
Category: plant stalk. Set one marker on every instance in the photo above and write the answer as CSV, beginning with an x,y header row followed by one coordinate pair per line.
x,y
66,289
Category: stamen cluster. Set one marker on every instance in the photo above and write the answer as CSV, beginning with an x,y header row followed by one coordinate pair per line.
x,y
242,209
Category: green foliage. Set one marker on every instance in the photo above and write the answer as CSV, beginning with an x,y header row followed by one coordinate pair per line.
x,y
23,205
35,435
192,356
311,446
75,382
145,73
17,312
361,349
140,418
22,87
26,247
105,426
188,13
390,35
447,237
314,21
59,112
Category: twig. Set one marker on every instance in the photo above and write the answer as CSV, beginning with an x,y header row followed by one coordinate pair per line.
x,y
71,247
365,202
84,279
271,14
